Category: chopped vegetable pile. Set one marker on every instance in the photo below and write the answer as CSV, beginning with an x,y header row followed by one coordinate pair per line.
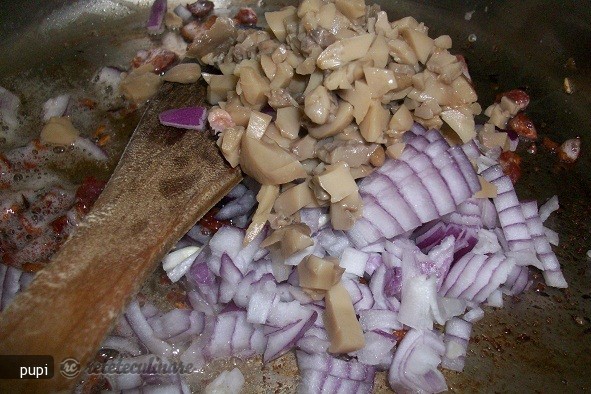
x,y
376,221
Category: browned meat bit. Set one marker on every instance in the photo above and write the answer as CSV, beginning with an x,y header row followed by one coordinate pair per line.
x,y
511,165
88,192
195,28
523,126
550,145
569,150
246,16
518,96
162,59
200,8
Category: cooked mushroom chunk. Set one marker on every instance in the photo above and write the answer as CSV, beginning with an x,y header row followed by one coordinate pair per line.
x,y
337,181
268,163
344,51
265,198
317,105
319,274
344,331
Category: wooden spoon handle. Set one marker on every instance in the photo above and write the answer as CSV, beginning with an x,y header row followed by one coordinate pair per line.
x,y
166,180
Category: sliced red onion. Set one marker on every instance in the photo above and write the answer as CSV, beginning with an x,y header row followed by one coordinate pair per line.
x,y
354,261
379,319
142,329
333,241
377,350
457,335
176,322
177,263
192,118
231,276
183,12
155,23
548,207
90,149
415,363
241,205
331,366
9,104
280,341
55,106
361,295
474,314
513,140
495,299
551,267
261,302
517,281
552,236
226,382
488,243
9,278
471,149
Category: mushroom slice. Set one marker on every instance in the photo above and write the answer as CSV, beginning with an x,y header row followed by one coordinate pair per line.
x,y
420,42
229,144
290,239
304,148
401,120
344,51
375,121
461,121
253,87
487,189
294,199
344,213
215,40
359,98
268,163
319,274
342,118
344,330
183,73
379,52
395,150
317,105
218,87
277,21
140,84
379,80
59,131
337,181
352,9
265,197
288,122
257,124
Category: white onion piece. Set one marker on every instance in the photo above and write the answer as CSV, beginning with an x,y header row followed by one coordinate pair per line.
x,y
142,329
474,315
90,149
354,261
457,335
548,207
55,106
377,350
415,363
488,243
183,12
9,104
227,382
379,319
10,284
181,257
552,236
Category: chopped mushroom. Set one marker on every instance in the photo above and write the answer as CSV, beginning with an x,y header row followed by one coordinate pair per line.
x,y
288,122
215,40
294,199
183,73
317,105
337,181
290,239
344,330
487,189
265,198
344,213
344,51
59,131
319,274
140,84
229,143
268,163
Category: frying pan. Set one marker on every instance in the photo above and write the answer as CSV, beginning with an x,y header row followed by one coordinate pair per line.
x,y
541,340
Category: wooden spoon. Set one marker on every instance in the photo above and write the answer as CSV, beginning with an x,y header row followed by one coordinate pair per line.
x,y
166,180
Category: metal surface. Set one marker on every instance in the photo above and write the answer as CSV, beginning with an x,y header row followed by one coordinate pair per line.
x,y
540,341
